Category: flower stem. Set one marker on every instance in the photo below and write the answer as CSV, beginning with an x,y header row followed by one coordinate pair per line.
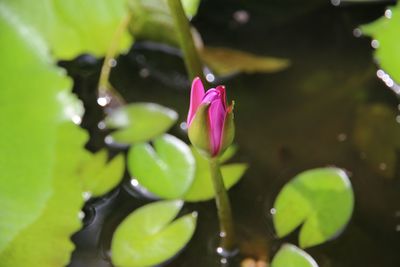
x,y
192,60
227,232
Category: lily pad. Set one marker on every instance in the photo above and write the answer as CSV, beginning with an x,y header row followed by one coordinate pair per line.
x,y
40,153
98,176
139,122
320,200
165,169
292,256
202,188
149,236
386,32
72,27
225,61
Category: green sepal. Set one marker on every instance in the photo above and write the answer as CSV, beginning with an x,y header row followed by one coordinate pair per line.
x,y
198,131
228,132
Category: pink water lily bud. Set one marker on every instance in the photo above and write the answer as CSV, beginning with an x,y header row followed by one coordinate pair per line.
x,y
210,120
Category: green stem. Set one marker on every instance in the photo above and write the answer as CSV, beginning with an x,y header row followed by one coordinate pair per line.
x,y
104,87
227,232
191,56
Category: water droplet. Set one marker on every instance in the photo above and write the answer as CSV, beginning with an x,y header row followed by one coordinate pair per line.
x,y
272,211
101,125
388,13
342,137
183,126
144,73
76,119
357,32
102,101
382,166
86,196
224,261
398,118
241,16
109,140
375,44
335,2
210,77
112,63
380,73
81,215
134,182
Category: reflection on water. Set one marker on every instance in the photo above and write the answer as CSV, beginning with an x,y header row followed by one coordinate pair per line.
x,y
303,117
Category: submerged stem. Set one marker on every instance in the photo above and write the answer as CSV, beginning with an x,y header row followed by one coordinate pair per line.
x,y
227,232
105,90
191,56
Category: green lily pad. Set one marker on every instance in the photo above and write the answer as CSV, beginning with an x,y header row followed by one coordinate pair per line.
x,y
98,176
225,61
139,122
320,200
166,170
202,188
40,153
72,27
291,256
386,32
149,236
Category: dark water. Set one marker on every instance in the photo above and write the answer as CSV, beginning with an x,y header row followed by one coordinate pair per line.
x,y
301,118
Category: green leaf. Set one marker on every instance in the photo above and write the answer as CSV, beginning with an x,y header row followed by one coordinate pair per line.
x,y
71,27
151,19
166,170
376,135
202,188
149,237
292,256
321,200
41,148
46,241
386,31
27,142
225,61
139,122
98,176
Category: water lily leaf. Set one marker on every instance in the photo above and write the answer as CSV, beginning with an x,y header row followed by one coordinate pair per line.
x,y
321,200
385,30
149,237
165,169
139,122
151,19
41,148
225,61
202,188
72,27
26,177
376,135
50,233
98,176
291,256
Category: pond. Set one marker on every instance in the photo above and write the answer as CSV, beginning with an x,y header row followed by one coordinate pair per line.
x,y
309,115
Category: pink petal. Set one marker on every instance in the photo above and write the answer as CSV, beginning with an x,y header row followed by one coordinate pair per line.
x,y
211,95
216,116
196,96
221,90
